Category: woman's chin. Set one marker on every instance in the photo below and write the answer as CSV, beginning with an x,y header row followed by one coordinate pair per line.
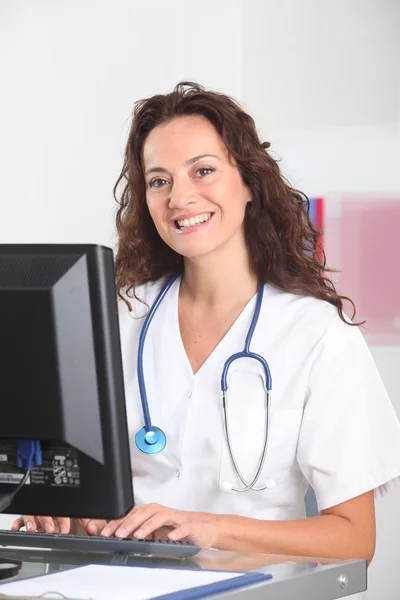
x,y
193,249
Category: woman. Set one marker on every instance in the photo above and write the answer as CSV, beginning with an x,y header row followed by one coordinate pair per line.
x,y
203,198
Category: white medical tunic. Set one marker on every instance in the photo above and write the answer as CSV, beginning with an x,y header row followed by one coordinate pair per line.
x,y
331,422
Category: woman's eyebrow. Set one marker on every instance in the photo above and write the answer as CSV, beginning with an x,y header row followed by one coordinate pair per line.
x,y
190,161
156,170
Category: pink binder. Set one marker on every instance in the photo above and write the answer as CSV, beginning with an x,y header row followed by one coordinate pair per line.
x,y
362,239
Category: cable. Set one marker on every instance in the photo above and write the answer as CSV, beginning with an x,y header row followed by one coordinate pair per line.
x,y
29,455
6,499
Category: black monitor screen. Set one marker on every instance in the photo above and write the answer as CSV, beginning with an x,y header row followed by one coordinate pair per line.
x,y
61,382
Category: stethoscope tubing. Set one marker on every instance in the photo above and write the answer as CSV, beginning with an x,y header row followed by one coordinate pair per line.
x,y
142,338
246,353
248,486
158,443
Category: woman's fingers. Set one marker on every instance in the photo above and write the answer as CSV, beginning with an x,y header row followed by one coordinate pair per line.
x,y
111,527
64,524
93,526
18,523
161,518
143,521
57,524
162,533
30,522
48,524
181,532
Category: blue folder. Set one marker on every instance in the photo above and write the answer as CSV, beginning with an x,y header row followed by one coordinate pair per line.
x,y
203,591
313,211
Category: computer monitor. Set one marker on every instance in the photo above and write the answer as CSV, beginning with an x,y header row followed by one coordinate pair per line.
x,y
61,382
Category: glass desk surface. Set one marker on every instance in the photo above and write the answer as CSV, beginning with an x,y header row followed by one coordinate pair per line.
x,y
305,577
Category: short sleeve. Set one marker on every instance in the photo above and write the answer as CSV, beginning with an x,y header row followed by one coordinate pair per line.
x,y
349,439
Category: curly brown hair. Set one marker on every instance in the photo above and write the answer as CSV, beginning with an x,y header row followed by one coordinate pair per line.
x,y
282,241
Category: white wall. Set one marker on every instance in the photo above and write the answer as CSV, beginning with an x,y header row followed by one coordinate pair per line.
x,y
315,64
322,79
72,72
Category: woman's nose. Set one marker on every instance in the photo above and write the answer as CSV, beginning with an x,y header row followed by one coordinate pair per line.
x,y
182,194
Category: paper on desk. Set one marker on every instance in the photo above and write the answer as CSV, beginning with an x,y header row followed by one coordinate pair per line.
x,y
105,582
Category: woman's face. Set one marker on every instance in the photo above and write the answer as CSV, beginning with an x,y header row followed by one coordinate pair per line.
x,y
195,194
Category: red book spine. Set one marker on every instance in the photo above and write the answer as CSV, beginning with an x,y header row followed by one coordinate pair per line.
x,y
319,222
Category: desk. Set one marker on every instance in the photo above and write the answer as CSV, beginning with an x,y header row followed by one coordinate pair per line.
x,y
300,578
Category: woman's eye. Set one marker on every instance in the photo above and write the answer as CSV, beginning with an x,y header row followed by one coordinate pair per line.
x,y
204,171
157,183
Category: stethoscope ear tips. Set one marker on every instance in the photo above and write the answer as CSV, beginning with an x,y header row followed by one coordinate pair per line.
x,y
150,442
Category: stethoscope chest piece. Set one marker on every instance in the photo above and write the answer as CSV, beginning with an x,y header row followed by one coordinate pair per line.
x,y
150,442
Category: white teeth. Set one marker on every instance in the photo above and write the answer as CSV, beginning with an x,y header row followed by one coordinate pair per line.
x,y
202,218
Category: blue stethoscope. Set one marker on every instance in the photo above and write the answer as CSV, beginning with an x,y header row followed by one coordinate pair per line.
x,y
151,440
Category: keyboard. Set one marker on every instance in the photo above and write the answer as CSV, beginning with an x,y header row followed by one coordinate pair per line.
x,y
66,557
97,543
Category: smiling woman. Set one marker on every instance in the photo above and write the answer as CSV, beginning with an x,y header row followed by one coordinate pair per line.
x,y
217,147
198,203
218,244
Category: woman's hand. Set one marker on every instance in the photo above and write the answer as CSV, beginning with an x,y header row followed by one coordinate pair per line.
x,y
53,524
154,520
149,521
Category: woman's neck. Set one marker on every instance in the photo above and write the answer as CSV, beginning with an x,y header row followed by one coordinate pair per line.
x,y
222,278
